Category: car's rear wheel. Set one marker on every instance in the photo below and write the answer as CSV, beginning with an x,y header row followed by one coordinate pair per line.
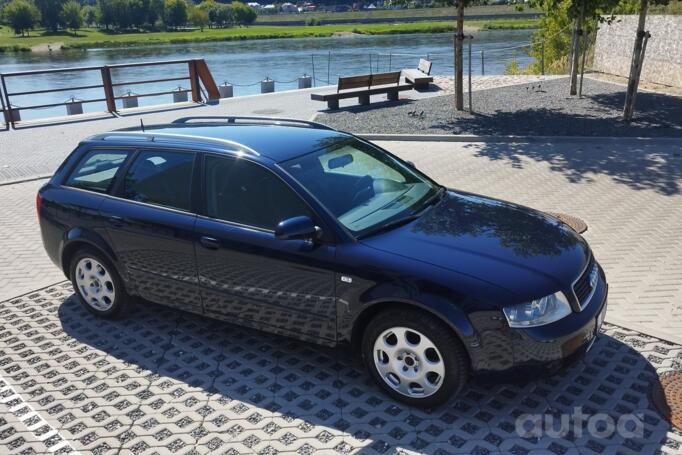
x,y
414,357
97,284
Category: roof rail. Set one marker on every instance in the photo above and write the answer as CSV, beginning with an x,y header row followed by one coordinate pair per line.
x,y
154,137
253,119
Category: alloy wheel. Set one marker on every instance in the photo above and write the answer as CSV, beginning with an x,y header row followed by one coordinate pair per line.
x,y
95,284
409,362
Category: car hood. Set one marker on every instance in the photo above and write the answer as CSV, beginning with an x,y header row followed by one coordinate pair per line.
x,y
527,252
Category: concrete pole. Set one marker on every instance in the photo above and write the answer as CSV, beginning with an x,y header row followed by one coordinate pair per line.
x,y
459,37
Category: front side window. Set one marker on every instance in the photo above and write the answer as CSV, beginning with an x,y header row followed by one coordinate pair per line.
x,y
160,178
96,170
362,186
245,193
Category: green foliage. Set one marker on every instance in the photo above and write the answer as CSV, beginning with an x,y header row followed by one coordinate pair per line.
x,y
198,17
21,15
175,14
50,13
71,15
312,21
512,67
89,15
243,14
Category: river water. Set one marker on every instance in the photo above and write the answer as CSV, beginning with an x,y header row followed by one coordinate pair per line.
x,y
245,63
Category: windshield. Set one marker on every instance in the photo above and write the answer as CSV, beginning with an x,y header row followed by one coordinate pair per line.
x,y
362,186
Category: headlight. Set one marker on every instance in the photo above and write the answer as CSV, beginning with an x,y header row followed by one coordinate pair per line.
x,y
538,312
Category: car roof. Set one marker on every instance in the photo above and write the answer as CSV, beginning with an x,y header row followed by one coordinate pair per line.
x,y
275,141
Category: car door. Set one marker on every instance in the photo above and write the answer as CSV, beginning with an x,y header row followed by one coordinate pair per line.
x,y
150,225
250,277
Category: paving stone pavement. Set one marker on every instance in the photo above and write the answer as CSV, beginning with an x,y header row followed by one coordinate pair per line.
x,y
164,381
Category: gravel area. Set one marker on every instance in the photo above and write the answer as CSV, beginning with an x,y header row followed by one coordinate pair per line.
x,y
533,109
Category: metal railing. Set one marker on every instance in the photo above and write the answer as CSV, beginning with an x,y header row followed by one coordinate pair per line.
x,y
197,74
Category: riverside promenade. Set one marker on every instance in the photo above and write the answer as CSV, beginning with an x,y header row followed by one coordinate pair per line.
x,y
164,381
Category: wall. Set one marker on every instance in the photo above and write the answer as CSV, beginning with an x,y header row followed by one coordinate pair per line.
x,y
663,59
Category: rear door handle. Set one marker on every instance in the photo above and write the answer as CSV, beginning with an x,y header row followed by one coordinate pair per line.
x,y
209,242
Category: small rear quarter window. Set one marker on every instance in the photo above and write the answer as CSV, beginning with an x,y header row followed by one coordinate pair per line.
x,y
96,170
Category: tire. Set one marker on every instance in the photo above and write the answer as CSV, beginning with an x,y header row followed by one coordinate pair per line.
x,y
97,284
409,365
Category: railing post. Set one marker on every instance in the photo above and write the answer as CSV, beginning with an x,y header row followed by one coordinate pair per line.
x,y
194,81
108,89
542,58
482,63
7,106
312,58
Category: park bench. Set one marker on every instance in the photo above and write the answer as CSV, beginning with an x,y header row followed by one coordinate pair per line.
x,y
419,77
362,87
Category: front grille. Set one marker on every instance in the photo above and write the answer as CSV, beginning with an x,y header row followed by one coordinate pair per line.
x,y
582,287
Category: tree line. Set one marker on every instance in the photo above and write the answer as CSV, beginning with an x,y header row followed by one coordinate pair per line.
x,y
54,15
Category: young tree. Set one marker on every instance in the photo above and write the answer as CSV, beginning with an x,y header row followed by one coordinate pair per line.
x,y
50,13
175,13
198,17
242,14
89,15
72,16
637,58
21,15
459,59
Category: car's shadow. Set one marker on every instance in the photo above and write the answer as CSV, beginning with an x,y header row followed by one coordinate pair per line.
x,y
242,374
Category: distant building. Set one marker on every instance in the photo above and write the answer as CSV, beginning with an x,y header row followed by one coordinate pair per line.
x,y
289,8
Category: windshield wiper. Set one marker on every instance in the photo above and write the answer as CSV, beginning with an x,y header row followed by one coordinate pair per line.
x,y
437,196
390,225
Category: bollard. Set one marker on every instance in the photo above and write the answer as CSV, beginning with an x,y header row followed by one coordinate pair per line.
x,y
129,101
226,90
305,81
12,115
180,95
267,85
74,107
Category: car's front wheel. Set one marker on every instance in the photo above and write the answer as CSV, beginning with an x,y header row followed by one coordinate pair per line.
x,y
414,357
97,284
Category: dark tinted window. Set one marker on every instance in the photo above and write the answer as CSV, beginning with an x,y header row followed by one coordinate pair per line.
x,y
96,170
161,178
242,192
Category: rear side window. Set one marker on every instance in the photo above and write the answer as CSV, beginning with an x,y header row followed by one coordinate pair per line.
x,y
96,170
160,178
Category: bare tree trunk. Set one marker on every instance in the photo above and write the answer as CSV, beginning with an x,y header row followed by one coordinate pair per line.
x,y
459,37
636,66
575,45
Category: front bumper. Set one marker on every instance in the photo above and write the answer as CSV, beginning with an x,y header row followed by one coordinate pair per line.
x,y
498,350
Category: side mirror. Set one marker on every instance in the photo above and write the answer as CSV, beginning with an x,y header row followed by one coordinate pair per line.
x,y
411,164
297,228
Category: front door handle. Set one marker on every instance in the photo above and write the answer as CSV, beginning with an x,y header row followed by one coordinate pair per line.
x,y
209,242
116,221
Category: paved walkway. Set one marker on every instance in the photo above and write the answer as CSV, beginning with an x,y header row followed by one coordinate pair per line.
x,y
35,151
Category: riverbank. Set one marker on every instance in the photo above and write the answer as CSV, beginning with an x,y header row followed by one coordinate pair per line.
x,y
96,38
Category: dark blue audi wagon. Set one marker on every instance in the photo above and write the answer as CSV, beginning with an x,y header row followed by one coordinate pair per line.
x,y
295,228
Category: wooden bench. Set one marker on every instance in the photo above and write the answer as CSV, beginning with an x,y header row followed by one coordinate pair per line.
x,y
362,87
419,77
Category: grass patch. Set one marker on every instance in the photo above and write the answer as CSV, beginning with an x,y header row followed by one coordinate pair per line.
x,y
95,38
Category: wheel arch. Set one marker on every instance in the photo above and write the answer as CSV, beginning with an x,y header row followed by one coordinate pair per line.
x,y
453,318
77,239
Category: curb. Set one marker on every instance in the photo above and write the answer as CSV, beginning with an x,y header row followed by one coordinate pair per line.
x,y
26,179
643,329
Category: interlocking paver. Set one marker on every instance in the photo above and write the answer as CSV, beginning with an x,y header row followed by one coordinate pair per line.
x,y
349,416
